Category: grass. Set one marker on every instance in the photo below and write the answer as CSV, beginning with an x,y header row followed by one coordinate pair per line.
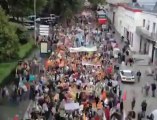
x,y
24,49
7,68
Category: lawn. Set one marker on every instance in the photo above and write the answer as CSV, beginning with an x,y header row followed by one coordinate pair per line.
x,y
7,68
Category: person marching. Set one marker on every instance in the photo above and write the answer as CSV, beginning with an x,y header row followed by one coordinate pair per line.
x,y
153,86
138,74
144,107
133,103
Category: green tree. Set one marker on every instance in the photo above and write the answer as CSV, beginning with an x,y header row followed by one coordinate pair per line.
x,y
8,38
64,8
22,8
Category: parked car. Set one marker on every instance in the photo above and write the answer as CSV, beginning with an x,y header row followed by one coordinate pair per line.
x,y
127,76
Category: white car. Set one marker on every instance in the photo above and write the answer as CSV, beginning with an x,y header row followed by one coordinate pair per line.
x,y
127,76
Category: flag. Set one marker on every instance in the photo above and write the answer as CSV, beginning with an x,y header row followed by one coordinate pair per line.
x,y
16,117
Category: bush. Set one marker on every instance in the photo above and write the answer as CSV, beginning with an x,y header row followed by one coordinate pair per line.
x,y
24,38
23,34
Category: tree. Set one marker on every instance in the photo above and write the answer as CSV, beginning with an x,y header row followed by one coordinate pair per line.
x,y
96,2
64,8
8,38
22,8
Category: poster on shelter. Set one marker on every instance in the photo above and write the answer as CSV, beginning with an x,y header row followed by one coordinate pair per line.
x,y
43,47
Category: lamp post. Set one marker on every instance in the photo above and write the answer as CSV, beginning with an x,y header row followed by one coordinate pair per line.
x,y
35,36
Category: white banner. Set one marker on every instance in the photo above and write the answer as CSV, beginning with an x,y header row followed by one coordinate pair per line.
x,y
83,49
90,64
72,106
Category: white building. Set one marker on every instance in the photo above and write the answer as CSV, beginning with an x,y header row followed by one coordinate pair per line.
x,y
147,33
137,26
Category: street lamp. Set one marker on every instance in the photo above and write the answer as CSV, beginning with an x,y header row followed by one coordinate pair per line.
x,y
35,36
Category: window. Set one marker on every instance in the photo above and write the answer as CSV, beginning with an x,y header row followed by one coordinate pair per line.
x,y
154,26
144,21
148,25
132,39
124,32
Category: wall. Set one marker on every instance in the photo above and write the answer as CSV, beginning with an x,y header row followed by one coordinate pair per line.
x,y
152,18
129,20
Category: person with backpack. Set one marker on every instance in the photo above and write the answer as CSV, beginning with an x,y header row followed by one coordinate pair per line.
x,y
153,86
144,107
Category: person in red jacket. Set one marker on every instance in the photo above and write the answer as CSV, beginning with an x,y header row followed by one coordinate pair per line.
x,y
107,113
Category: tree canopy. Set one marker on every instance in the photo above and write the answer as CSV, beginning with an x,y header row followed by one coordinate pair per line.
x,y
64,8
8,38
96,2
22,8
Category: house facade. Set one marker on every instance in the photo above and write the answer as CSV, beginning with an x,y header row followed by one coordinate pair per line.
x,y
137,26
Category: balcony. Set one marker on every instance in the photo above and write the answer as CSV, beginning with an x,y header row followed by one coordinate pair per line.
x,y
117,1
145,33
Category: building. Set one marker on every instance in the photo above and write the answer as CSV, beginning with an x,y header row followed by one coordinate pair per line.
x,y
147,33
138,26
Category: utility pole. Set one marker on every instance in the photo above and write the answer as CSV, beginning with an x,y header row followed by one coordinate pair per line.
x,y
35,36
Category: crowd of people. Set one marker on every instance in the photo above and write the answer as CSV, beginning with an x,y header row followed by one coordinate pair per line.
x,y
79,81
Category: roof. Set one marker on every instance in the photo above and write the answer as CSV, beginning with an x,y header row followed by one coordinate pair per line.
x,y
136,7
130,7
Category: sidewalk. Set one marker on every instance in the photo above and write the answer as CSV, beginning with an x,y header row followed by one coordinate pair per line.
x,y
8,110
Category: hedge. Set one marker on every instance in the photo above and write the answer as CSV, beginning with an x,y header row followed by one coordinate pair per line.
x,y
7,70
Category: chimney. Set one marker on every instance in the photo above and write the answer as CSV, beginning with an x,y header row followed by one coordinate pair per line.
x,y
134,1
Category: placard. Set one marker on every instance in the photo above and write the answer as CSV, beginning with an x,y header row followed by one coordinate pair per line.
x,y
43,47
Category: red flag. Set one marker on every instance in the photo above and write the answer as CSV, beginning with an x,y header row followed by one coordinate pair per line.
x,y
16,117
124,95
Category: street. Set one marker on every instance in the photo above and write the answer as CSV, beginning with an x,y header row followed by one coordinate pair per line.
x,y
135,90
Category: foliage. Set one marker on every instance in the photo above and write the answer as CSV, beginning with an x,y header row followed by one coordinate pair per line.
x,y
22,8
64,8
23,35
8,38
24,38
25,49
96,2
7,68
